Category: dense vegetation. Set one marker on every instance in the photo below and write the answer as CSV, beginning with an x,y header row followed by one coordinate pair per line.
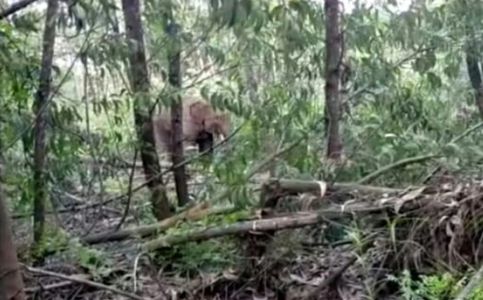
x,y
396,85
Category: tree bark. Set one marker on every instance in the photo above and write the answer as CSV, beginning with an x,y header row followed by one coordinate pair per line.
x,y
174,78
41,109
332,79
11,283
139,80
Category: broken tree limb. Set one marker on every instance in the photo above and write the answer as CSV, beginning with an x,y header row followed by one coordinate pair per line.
x,y
237,228
201,210
273,189
277,223
195,213
306,186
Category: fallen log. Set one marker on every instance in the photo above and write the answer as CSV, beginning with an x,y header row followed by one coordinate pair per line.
x,y
312,186
296,220
275,189
195,213
201,210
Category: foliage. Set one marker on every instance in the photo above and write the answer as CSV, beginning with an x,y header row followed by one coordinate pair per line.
x,y
432,287
262,61
97,263
207,256
403,89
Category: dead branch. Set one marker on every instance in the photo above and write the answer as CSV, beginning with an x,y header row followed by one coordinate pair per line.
x,y
273,189
195,213
49,287
78,279
237,228
306,186
273,224
201,210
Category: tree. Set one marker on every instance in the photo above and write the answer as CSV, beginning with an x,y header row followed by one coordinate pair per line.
x,y
474,72
174,78
475,78
332,78
41,109
11,283
139,81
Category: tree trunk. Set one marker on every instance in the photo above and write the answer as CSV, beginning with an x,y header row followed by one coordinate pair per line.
x,y
332,79
174,78
41,109
139,80
474,73
11,283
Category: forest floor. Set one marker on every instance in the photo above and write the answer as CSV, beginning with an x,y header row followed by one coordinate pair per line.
x,y
311,262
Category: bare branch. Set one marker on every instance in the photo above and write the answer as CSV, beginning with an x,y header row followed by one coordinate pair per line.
x,y
78,279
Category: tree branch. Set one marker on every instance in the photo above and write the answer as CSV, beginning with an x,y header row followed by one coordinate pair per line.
x,y
15,8
78,279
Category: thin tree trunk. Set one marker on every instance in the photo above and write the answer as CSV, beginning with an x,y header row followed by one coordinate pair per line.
x,y
41,109
139,79
474,73
332,79
174,78
11,283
